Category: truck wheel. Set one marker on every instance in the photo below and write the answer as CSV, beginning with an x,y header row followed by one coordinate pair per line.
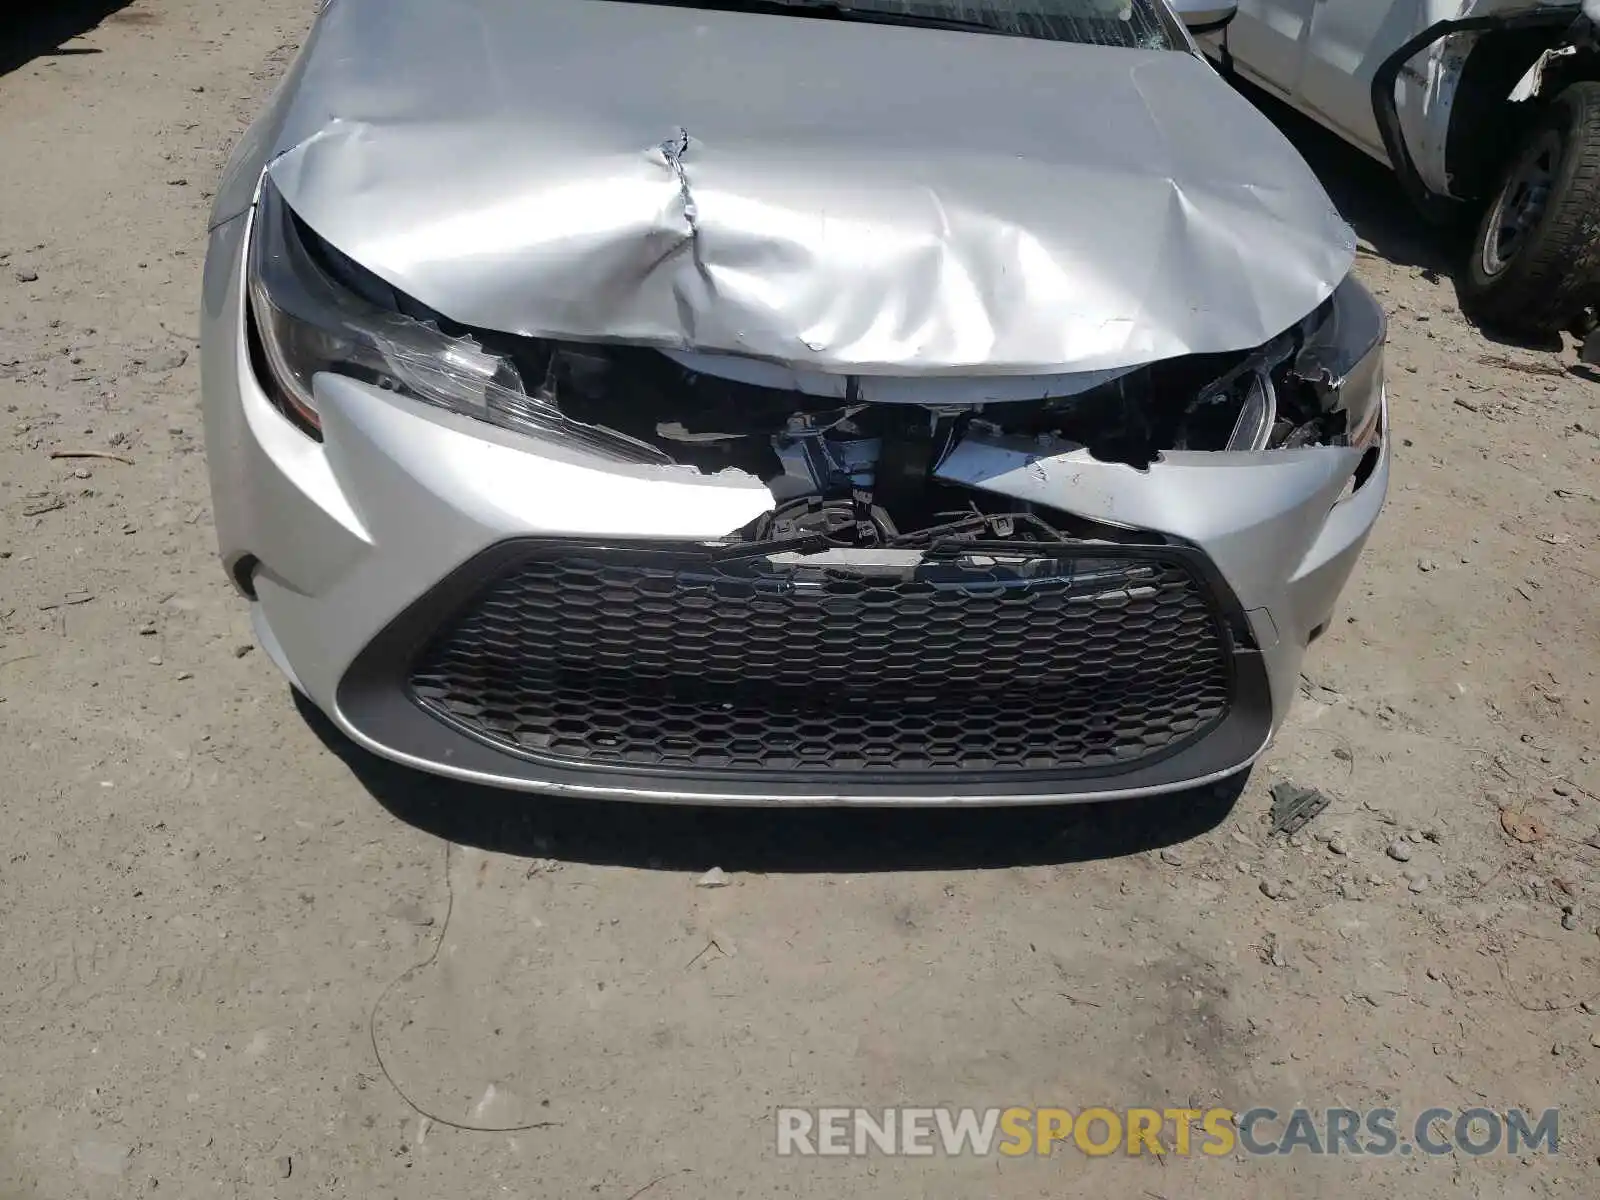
x,y
1535,261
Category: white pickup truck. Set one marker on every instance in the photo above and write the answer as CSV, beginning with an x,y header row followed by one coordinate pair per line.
x,y
1492,104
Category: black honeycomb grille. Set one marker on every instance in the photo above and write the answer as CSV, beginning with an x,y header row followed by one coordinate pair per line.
x,y
1039,661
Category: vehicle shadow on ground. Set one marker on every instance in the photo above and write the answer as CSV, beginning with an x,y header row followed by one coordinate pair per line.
x,y
41,30
680,838
1369,196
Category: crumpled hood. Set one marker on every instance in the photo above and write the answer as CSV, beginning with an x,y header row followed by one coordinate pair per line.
x,y
840,196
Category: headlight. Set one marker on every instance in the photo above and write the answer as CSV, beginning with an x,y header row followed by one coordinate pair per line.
x,y
313,311
1319,383
1337,375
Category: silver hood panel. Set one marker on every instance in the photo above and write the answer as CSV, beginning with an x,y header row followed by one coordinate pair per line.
x,y
834,196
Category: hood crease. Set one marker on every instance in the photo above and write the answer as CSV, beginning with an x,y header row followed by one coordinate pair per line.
x,y
858,198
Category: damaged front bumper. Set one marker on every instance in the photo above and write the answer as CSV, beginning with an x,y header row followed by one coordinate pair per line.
x,y
388,558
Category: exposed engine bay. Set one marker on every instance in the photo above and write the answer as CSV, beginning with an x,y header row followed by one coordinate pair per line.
x,y
850,460
849,471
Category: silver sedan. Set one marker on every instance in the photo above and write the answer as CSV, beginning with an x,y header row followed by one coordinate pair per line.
x,y
786,401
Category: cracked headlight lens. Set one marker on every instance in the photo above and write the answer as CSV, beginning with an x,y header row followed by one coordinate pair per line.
x,y
314,311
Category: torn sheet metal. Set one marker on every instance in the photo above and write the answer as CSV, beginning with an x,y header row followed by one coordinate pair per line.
x,y
825,194
1428,85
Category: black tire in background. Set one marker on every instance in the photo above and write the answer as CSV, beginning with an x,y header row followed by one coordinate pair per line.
x,y
1535,260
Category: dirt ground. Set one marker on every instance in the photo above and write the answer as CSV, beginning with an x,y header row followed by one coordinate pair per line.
x,y
239,957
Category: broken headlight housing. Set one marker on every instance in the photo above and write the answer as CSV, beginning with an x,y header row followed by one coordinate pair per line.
x,y
314,311
1318,383
1338,370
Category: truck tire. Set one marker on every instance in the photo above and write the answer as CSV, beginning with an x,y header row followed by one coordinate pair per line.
x,y
1535,263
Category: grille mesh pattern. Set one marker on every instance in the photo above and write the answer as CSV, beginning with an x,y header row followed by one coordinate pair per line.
x,y
607,657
